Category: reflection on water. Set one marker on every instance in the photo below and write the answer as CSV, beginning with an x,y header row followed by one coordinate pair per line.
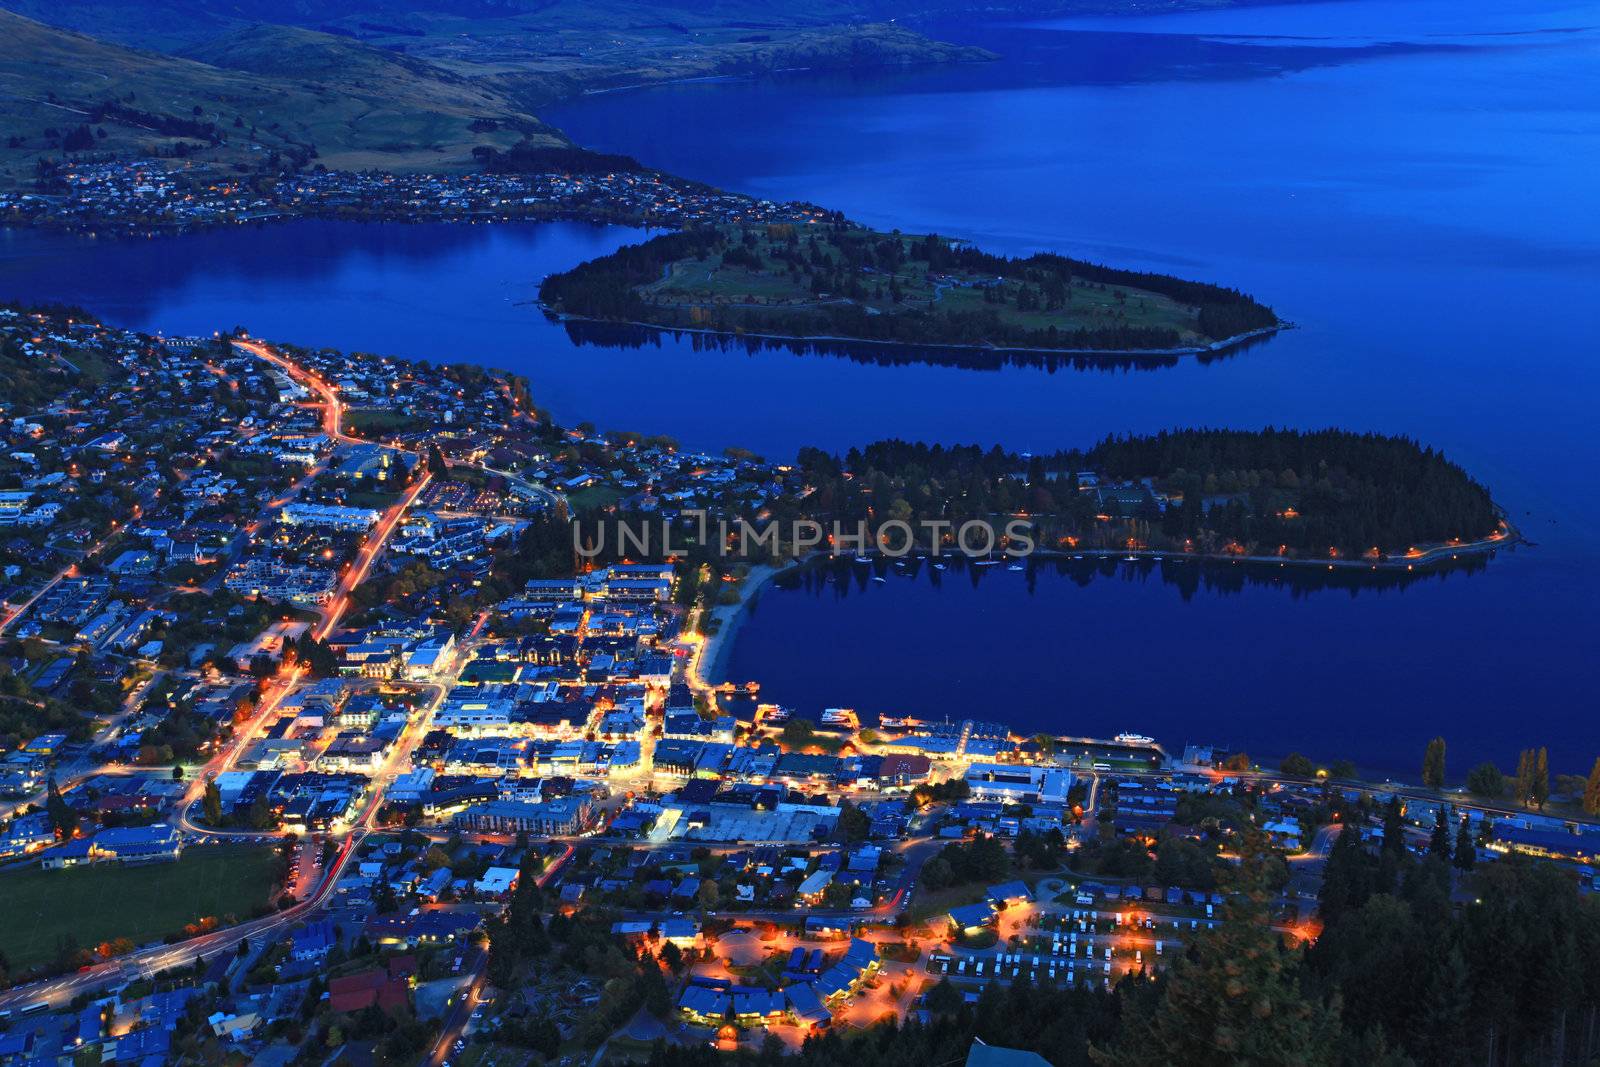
x,y
1187,577
584,332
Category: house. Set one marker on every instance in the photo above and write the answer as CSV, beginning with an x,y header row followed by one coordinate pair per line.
x,y
312,943
233,1027
496,881
1284,832
685,933
356,992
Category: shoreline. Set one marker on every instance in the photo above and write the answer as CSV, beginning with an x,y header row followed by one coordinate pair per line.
x,y
711,663
1214,348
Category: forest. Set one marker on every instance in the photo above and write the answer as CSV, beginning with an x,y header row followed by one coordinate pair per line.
x,y
839,280
1283,492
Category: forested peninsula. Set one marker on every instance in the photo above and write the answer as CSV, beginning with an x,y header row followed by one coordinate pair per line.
x,y
1313,496
834,279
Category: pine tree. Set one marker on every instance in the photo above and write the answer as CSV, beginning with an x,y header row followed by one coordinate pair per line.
x,y
1433,764
1347,879
1439,845
1394,827
1466,850
1445,1012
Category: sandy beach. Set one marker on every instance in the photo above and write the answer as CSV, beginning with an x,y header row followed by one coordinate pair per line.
x,y
729,617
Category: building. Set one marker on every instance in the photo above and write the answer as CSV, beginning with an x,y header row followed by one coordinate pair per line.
x,y
1547,844
561,815
971,918
859,962
1018,784
496,881
981,1055
356,992
329,516
137,844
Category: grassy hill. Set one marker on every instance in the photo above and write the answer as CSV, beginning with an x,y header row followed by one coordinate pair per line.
x,y
345,104
394,85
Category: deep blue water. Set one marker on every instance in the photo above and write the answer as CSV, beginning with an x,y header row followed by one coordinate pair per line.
x,y
1413,183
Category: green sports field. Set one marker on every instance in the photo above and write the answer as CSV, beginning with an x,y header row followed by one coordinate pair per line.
x,y
145,903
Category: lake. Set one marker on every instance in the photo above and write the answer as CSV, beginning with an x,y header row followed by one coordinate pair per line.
x,y
1411,183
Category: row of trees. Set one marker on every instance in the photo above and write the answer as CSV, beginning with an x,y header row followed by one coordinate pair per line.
x,y
1530,786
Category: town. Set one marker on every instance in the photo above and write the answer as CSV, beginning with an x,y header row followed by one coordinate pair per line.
x,y
316,734
163,195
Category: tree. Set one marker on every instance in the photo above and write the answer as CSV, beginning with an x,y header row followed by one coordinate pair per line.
x,y
1533,777
1433,764
177,772
1347,881
854,824
797,733
708,894
212,804
63,817
1466,853
1485,780
1591,790
944,998
672,956
1394,826
1439,844
1297,766
1392,857
1445,1009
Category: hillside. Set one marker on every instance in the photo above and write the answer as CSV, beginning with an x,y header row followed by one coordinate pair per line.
x,y
348,105
172,25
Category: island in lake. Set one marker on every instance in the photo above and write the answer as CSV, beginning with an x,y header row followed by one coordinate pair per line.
x,y
835,279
